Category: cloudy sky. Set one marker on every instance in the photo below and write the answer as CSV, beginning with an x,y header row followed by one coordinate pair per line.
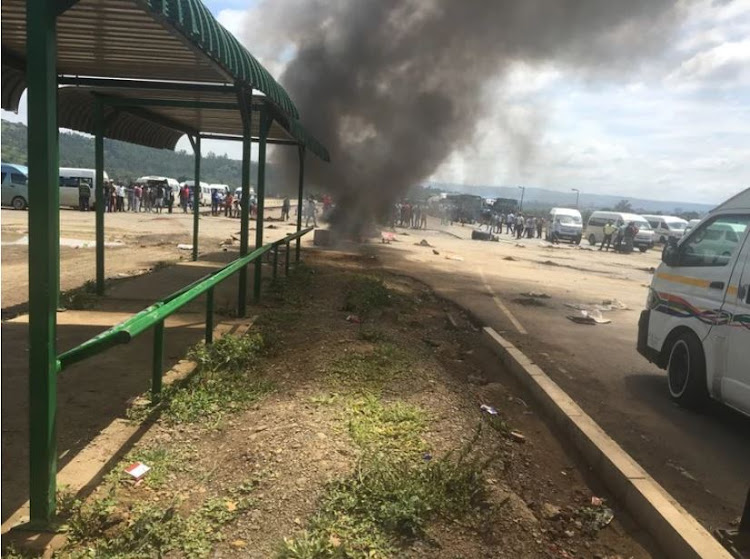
x,y
675,128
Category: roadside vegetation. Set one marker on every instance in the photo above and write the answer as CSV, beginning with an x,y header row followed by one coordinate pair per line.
x,y
314,436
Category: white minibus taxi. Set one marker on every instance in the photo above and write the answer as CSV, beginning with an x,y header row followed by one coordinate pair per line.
x,y
696,324
666,227
644,239
565,223
15,187
70,179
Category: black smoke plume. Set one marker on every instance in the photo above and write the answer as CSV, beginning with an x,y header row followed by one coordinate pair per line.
x,y
393,87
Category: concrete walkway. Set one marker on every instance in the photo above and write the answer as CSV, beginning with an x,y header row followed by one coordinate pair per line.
x,y
93,393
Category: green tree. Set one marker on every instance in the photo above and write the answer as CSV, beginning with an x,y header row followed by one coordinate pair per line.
x,y
624,206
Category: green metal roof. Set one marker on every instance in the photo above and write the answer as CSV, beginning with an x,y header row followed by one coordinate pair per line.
x,y
196,22
139,39
161,117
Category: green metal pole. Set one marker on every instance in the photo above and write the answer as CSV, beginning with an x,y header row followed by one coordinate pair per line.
x,y
246,113
209,316
99,185
158,361
196,194
286,256
299,198
275,261
265,125
44,254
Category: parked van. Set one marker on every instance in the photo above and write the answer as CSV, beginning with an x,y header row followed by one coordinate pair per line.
x,y
696,324
643,241
666,227
205,194
70,179
152,180
566,224
14,191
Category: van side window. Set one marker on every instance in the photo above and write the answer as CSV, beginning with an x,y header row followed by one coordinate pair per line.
x,y
18,179
597,222
714,242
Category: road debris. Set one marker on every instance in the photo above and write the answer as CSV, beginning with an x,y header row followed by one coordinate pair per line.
x,y
423,243
184,247
387,238
435,252
550,511
353,318
511,259
529,302
454,257
592,317
137,470
536,295
488,409
477,235
517,437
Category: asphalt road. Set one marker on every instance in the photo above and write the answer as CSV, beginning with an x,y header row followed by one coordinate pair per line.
x,y
703,460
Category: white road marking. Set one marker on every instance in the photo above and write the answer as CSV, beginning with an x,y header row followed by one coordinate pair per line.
x,y
500,305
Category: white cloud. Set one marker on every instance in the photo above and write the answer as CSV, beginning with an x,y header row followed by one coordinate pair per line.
x,y
723,65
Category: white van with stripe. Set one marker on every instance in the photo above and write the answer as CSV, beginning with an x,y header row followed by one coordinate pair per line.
x,y
697,321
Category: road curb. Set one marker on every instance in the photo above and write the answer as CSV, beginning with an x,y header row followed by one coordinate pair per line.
x,y
675,530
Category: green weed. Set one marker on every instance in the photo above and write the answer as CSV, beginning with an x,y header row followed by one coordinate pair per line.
x,y
372,334
370,370
391,428
387,502
229,353
366,294
150,530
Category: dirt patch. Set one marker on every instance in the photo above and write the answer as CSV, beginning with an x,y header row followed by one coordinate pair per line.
x,y
529,302
356,439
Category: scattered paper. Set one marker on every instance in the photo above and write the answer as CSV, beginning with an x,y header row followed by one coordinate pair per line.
x,y
137,470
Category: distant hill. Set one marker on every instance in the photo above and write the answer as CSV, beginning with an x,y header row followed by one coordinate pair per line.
x,y
537,198
125,161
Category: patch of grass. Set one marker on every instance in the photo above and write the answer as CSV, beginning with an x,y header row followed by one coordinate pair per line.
x,y
274,323
161,264
211,395
229,353
294,289
149,529
162,461
372,334
370,370
80,299
391,428
387,502
366,294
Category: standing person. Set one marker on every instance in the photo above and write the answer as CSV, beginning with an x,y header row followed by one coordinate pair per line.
x,y
120,189
530,227
609,230
112,197
311,212
285,205
84,195
539,227
416,215
423,219
129,199
137,192
159,197
519,226
214,201
184,197
228,201
510,222
169,196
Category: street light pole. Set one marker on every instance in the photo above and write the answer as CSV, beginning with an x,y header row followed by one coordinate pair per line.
x,y
578,195
523,191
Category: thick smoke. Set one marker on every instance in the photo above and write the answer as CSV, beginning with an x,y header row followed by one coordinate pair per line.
x,y
393,87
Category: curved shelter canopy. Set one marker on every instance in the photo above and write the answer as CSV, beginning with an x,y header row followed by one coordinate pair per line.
x,y
141,39
157,117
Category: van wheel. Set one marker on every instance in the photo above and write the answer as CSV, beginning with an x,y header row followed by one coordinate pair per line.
x,y
686,371
663,240
18,203
592,240
643,249
577,240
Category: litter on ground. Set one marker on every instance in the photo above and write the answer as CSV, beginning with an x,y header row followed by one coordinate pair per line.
x,y
592,317
488,409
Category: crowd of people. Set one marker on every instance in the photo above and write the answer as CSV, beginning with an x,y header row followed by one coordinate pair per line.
x,y
517,225
153,197
409,215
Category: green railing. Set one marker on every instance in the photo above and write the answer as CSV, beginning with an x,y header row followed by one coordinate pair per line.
x,y
155,315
